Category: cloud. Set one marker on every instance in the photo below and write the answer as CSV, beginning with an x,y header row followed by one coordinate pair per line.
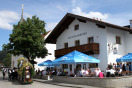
x,y
121,19
91,14
26,15
62,9
50,26
7,18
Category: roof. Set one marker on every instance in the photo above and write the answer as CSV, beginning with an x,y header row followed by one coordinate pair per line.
x,y
128,26
69,18
44,35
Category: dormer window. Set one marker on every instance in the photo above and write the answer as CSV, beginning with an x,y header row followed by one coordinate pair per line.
x,y
76,27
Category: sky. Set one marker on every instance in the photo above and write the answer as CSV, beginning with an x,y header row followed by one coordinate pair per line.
x,y
117,12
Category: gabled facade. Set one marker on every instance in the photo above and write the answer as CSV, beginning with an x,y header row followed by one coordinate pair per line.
x,y
101,40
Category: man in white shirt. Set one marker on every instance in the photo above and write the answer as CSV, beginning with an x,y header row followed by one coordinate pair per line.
x,y
112,72
44,72
98,71
82,72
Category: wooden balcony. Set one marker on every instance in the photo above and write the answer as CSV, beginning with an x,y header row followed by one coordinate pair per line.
x,y
86,48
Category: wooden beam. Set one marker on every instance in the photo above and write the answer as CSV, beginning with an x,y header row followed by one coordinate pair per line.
x,y
100,26
80,20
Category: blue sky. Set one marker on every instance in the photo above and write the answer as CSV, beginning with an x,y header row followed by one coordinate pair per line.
x,y
117,12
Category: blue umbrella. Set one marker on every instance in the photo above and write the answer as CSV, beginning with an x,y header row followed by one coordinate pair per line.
x,y
40,64
75,57
47,63
126,58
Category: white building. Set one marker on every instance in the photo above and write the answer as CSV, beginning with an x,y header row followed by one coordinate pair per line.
x,y
50,56
99,39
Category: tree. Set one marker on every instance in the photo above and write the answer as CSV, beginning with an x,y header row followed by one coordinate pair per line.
x,y
7,60
26,39
2,55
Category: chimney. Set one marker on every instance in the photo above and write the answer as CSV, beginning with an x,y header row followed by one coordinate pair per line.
x,y
131,23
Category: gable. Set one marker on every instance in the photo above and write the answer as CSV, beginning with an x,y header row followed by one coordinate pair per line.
x,y
69,18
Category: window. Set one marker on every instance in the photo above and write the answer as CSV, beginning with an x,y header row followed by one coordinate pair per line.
x,y
65,45
64,66
90,40
77,43
70,66
118,40
76,27
93,65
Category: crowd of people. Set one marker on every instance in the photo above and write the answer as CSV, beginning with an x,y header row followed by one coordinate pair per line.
x,y
12,74
111,71
119,69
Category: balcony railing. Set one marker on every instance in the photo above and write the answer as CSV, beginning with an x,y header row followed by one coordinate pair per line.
x,y
92,47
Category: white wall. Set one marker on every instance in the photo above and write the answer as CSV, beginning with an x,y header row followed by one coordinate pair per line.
x,y
50,48
15,58
111,38
91,30
128,42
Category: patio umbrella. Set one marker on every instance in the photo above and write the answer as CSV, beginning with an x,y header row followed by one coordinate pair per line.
x,y
40,64
75,57
47,63
126,58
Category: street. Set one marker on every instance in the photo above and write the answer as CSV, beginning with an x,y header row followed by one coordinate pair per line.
x,y
38,83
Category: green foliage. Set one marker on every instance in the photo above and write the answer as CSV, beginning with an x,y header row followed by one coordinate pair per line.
x,y
26,39
23,73
7,60
32,72
2,55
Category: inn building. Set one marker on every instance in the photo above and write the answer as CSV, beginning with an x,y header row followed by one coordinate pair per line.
x,y
99,39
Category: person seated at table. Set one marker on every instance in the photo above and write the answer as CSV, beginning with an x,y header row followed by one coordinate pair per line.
x,y
112,72
44,72
71,73
82,72
108,74
119,71
101,75
96,72
89,70
59,72
86,72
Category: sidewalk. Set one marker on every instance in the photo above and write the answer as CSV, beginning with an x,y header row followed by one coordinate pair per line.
x,y
63,84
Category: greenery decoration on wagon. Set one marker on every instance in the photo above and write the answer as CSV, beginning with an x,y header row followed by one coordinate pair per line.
x,y
22,64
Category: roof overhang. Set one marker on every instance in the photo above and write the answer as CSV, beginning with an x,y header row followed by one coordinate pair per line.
x,y
69,18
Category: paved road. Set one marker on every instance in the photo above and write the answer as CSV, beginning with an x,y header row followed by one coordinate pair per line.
x,y
4,83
